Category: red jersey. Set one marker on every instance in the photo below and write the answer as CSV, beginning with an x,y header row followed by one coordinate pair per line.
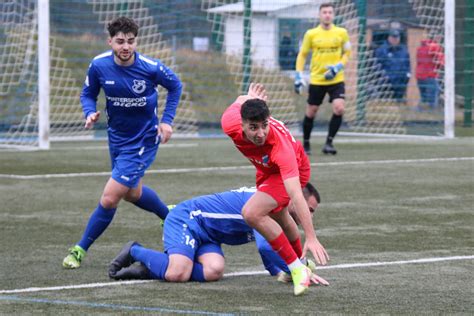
x,y
281,153
430,58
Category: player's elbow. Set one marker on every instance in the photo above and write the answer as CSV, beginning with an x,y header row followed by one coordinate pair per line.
x,y
177,88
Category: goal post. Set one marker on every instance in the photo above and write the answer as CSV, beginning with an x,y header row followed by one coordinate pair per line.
x,y
450,67
43,74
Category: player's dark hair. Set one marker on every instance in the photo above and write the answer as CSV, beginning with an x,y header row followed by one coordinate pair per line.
x,y
326,5
122,24
309,190
254,110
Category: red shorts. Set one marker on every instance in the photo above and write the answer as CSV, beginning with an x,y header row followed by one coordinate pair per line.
x,y
273,185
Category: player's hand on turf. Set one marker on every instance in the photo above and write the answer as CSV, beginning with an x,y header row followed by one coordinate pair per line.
x,y
91,119
165,131
257,91
316,279
318,251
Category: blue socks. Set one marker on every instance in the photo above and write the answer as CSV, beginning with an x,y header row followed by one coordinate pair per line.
x,y
198,273
101,217
155,261
150,201
98,222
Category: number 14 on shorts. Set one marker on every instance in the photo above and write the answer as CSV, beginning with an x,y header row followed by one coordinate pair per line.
x,y
190,241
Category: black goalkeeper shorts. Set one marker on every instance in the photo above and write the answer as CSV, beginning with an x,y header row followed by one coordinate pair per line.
x,y
318,92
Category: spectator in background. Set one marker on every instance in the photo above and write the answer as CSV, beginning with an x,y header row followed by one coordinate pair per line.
x,y
394,60
429,59
287,53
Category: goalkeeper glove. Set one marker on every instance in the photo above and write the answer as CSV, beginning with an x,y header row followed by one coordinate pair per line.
x,y
332,71
299,83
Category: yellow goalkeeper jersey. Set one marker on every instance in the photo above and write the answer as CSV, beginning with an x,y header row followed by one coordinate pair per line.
x,y
329,47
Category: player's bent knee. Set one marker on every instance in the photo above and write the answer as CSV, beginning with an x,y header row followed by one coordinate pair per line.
x,y
250,217
213,271
179,269
108,201
177,275
338,107
132,196
214,275
339,111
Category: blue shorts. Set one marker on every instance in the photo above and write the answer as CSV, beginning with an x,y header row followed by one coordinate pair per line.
x,y
184,236
129,165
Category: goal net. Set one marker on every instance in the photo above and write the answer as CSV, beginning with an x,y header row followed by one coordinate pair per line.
x,y
218,47
385,94
77,35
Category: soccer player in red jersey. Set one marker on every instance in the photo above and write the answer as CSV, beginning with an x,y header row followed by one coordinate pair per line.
x,y
282,170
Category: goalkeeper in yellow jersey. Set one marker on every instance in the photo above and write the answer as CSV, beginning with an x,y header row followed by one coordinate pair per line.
x,y
331,49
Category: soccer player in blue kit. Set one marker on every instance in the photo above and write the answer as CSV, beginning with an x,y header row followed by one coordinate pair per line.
x,y
129,81
193,233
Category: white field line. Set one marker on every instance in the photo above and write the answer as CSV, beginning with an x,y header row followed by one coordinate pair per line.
x,y
243,273
232,168
106,147
96,147
364,265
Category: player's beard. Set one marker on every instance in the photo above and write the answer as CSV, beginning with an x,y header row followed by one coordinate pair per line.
x,y
122,59
259,141
327,24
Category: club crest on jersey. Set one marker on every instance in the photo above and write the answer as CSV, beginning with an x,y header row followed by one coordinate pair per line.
x,y
139,86
263,162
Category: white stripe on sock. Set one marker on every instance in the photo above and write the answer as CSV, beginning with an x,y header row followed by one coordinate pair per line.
x,y
295,264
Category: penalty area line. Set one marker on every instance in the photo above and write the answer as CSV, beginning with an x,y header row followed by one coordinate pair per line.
x,y
233,168
244,273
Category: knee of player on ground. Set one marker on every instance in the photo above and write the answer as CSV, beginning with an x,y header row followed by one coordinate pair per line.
x,y
179,268
213,266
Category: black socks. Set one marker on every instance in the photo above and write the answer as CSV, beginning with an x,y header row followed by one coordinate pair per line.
x,y
334,124
307,127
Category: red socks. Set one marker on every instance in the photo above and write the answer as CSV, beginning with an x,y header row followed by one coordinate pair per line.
x,y
296,244
284,249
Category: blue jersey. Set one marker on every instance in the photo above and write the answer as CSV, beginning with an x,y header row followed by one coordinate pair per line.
x,y
216,219
131,97
220,216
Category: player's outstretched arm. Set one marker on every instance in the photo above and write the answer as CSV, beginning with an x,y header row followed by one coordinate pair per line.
x,y
256,91
312,244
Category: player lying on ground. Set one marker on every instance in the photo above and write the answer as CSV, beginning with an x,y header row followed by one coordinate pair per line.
x,y
193,233
129,81
282,170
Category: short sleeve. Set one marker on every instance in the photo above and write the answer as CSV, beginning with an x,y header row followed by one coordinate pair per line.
x,y
284,156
